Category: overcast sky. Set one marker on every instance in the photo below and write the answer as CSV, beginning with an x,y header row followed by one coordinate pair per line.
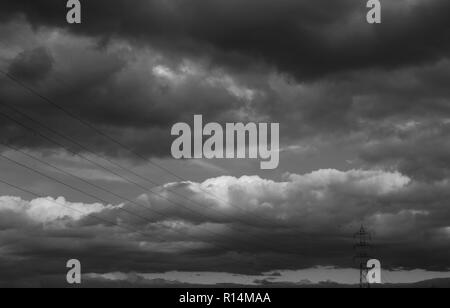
x,y
364,113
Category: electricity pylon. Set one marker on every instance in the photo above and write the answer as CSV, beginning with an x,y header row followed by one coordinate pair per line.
x,y
362,248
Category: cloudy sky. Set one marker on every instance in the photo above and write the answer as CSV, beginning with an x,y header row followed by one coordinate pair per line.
x,y
364,113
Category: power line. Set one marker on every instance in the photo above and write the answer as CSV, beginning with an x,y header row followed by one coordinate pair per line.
x,y
94,185
146,219
73,176
113,140
91,195
36,133
72,187
132,182
99,218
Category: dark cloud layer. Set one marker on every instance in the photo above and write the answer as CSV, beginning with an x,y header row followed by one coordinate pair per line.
x,y
32,65
129,75
299,37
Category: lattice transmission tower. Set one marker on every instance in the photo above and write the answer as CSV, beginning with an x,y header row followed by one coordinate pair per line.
x,y
362,248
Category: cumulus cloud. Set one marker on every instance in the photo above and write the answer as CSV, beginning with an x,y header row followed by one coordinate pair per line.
x,y
49,209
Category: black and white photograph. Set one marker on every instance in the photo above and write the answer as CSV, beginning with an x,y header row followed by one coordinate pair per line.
x,y
200,145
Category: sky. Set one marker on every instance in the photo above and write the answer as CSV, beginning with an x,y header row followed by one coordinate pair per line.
x,y
86,112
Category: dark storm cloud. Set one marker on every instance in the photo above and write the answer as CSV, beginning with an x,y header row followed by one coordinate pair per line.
x,y
128,76
306,39
417,148
32,65
123,92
